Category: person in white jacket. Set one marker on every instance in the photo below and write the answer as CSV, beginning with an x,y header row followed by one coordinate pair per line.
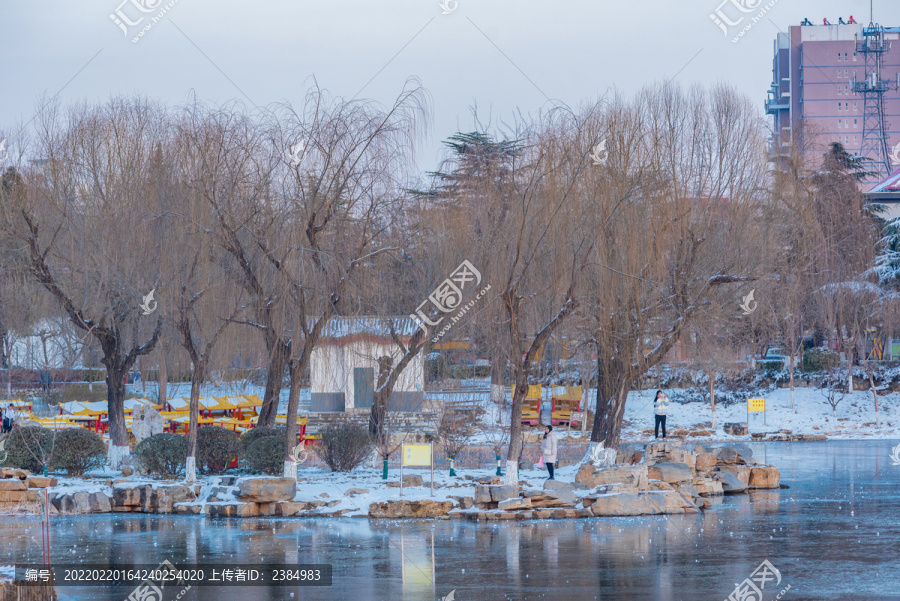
x,y
548,448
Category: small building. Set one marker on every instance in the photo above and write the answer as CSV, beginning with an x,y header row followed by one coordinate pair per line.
x,y
344,364
887,193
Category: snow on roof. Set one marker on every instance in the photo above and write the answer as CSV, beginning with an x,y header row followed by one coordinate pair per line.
x,y
340,329
888,185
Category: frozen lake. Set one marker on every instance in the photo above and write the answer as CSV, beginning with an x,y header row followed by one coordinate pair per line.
x,y
835,534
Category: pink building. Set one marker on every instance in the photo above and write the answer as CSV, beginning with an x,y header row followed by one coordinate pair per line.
x,y
814,71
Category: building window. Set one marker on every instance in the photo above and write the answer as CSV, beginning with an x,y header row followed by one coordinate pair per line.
x,y
846,106
856,123
854,56
855,107
840,123
856,139
846,57
847,73
839,73
839,106
839,57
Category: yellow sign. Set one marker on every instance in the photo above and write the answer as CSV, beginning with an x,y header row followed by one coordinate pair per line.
x,y
417,454
756,405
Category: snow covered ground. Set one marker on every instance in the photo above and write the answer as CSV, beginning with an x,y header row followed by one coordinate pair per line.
x,y
854,417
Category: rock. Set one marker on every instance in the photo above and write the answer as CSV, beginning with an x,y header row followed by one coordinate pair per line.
x,y
145,422
9,485
18,496
526,465
333,503
560,485
630,475
8,472
324,495
409,509
464,502
266,490
166,497
737,429
671,472
686,488
482,494
741,471
661,450
705,462
127,471
516,503
661,486
501,493
289,508
551,498
232,510
766,476
707,487
38,482
413,480
727,456
644,503
731,484
356,491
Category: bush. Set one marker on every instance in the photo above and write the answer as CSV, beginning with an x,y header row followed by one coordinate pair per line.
x,y
78,450
162,454
254,434
266,454
819,359
28,448
216,447
343,446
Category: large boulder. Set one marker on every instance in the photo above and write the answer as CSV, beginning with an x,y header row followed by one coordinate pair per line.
x,y
671,472
551,498
737,429
410,509
10,485
38,482
705,462
741,471
644,503
266,490
149,499
145,422
707,487
413,480
731,484
517,503
482,494
559,485
502,493
766,476
81,503
633,475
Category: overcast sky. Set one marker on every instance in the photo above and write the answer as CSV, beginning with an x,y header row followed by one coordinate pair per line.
x,y
504,55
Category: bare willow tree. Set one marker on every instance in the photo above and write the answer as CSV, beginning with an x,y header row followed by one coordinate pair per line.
x,y
693,167
82,226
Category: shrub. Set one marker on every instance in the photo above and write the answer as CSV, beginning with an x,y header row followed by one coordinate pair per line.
x,y
78,450
29,448
216,447
819,359
254,434
162,454
266,454
343,446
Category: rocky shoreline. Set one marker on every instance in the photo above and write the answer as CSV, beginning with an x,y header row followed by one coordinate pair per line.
x,y
659,478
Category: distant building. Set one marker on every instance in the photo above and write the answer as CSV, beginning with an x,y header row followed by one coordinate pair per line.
x,y
344,364
887,192
814,70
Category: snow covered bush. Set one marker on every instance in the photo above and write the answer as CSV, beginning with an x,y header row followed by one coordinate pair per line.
x,y
266,454
819,359
254,434
29,448
162,454
216,447
78,450
343,446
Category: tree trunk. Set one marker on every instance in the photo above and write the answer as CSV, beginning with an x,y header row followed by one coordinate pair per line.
x,y
875,394
278,358
118,434
290,462
607,418
513,454
190,468
497,383
712,396
162,378
793,361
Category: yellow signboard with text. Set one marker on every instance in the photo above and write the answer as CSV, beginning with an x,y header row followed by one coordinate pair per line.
x,y
417,454
756,405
